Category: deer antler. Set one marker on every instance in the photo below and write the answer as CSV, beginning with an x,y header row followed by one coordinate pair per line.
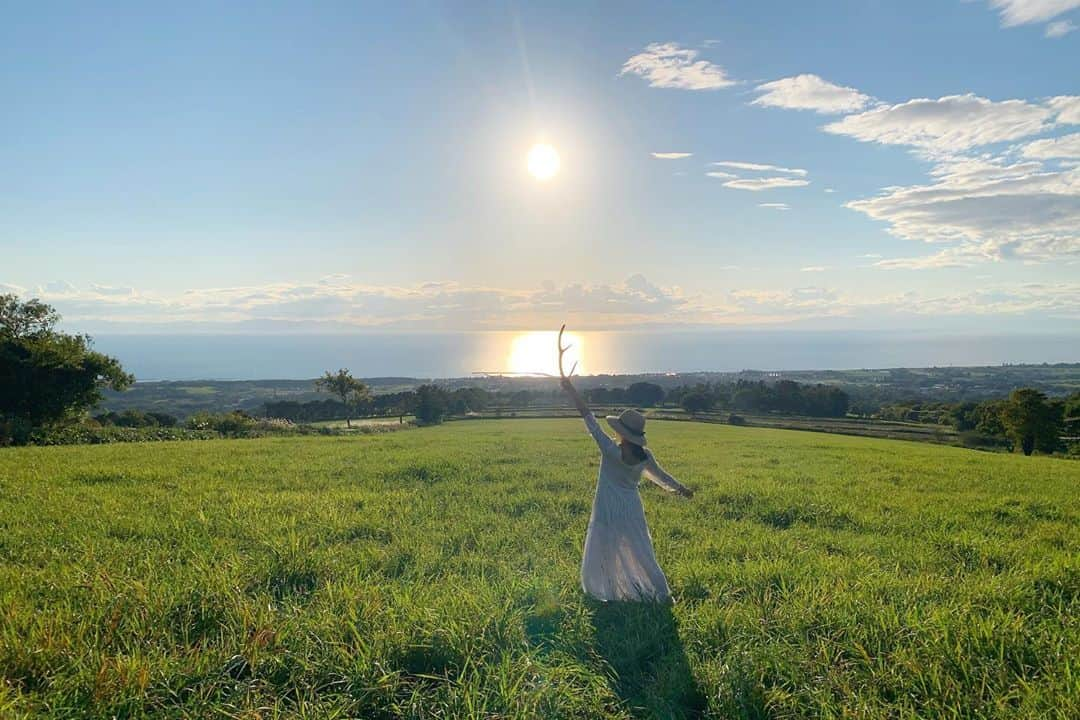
x,y
562,351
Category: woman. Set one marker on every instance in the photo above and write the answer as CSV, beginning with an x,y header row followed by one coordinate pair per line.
x,y
619,563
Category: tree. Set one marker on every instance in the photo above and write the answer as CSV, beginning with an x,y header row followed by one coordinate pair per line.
x,y
645,394
47,376
1031,421
431,404
345,386
24,320
696,402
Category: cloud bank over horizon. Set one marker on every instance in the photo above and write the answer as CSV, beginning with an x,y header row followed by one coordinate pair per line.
x,y
335,303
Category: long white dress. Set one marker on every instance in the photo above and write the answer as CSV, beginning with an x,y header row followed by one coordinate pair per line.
x,y
619,563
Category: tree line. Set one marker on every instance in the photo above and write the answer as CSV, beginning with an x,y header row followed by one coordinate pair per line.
x,y
1027,420
431,403
784,396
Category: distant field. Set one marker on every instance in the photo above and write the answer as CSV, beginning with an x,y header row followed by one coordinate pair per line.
x,y
360,422
433,574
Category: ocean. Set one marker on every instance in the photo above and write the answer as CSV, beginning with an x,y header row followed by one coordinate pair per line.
x,y
444,355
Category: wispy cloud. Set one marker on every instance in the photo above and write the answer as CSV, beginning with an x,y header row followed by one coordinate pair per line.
x,y
671,155
765,183
720,174
1061,28
775,206
814,268
668,65
759,167
1024,12
810,92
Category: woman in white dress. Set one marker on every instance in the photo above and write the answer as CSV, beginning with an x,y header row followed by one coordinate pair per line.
x,y
619,563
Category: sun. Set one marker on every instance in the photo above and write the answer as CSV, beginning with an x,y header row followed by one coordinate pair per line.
x,y
543,161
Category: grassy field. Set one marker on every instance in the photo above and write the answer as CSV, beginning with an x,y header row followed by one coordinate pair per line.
x,y
433,574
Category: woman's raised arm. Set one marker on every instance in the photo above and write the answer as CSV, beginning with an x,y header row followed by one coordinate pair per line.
x,y
575,396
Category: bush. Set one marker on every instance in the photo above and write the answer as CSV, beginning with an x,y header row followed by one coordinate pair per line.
x,y
231,424
15,431
734,419
88,434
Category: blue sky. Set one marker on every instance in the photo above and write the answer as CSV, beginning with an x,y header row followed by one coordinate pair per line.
x,y
242,167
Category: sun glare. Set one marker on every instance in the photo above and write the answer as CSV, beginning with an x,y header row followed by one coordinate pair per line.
x,y
538,353
543,161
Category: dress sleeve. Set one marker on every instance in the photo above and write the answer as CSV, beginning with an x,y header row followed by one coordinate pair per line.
x,y
603,440
660,476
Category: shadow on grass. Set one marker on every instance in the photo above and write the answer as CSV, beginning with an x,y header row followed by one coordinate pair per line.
x,y
649,670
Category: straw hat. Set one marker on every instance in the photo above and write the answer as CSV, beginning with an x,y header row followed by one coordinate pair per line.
x,y
630,424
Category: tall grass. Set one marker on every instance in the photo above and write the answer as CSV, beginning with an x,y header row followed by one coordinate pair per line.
x,y
433,574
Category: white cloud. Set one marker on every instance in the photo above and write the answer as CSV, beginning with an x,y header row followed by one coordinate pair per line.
x,y
814,268
775,206
759,167
871,256
983,209
939,260
945,125
343,306
667,65
111,290
671,155
1067,146
810,92
786,305
1061,28
56,288
1055,299
1067,108
829,190
765,183
720,174
1024,12
337,303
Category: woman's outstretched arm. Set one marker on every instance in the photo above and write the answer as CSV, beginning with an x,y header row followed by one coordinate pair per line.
x,y
661,477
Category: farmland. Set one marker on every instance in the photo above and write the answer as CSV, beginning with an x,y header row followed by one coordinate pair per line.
x,y
433,573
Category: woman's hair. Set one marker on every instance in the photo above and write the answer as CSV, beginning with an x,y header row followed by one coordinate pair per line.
x,y
637,451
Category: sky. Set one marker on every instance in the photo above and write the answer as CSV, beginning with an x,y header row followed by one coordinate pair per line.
x,y
342,167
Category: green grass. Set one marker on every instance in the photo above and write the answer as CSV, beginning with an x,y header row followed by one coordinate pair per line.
x,y
433,574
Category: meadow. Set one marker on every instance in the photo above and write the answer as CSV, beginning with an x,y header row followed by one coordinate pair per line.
x,y
432,573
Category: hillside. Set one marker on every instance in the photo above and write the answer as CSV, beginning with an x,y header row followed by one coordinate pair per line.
x,y
433,573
